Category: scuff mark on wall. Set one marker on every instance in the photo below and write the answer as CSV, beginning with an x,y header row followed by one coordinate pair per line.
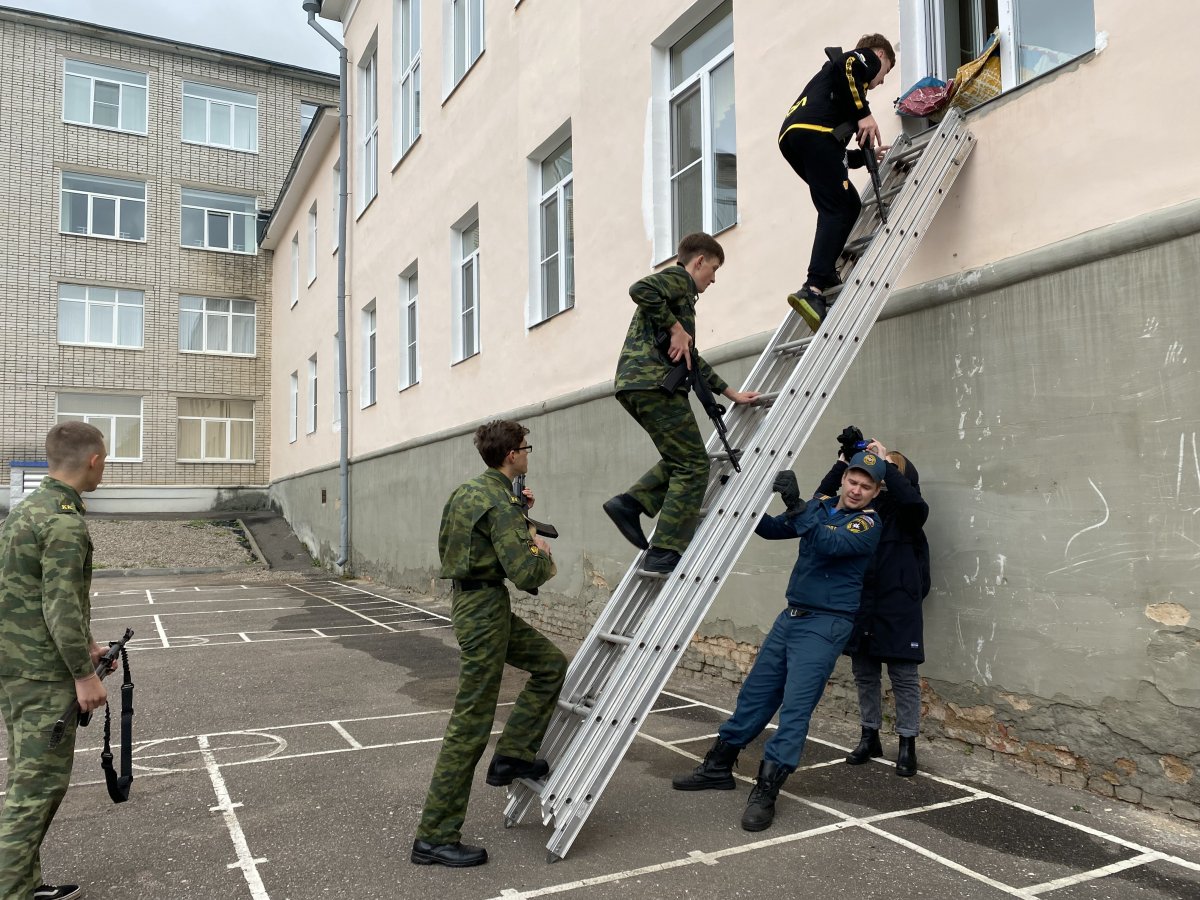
x,y
1101,523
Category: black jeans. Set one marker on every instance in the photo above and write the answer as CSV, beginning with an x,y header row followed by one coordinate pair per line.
x,y
820,160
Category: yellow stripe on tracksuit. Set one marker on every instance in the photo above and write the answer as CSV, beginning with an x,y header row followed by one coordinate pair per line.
x,y
853,86
805,126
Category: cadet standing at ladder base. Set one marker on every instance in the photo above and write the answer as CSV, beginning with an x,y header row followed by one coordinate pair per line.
x,y
47,655
838,538
484,538
674,488
813,138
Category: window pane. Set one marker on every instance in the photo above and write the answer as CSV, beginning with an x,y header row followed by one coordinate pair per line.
x,y
128,440
189,437
77,104
687,203
242,440
470,239
243,334
129,326
98,184
568,249
237,203
550,286
106,100
724,144
239,409
108,73
100,326
194,113
192,225
100,404
468,334
218,230
243,234
219,124
133,220
218,333
245,137
74,213
556,167
476,29
133,108
1051,34
70,321
104,423
686,139
550,227
191,333
460,38
216,435
702,43
211,92
104,216
416,106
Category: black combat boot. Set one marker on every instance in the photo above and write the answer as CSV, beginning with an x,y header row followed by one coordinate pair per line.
x,y
457,855
906,759
714,774
626,514
868,748
760,808
661,561
503,770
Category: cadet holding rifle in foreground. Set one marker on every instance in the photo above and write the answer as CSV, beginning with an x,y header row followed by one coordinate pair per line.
x,y
47,654
674,488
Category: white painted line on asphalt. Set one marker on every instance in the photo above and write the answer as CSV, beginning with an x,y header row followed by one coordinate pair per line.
x,y
202,612
913,810
245,637
356,589
663,709
247,862
319,633
1093,874
149,597
162,635
340,606
337,726
281,596
191,641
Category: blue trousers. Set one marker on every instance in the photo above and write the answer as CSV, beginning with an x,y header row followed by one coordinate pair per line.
x,y
788,676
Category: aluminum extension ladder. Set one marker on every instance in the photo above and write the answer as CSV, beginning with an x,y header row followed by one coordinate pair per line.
x,y
625,662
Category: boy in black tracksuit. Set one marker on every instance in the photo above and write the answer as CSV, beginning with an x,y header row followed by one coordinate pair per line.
x,y
813,140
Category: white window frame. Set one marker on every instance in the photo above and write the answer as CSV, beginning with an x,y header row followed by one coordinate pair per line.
x,y
208,421
128,82
119,202
295,268
293,407
410,328
923,29
457,18
312,243
466,275
313,384
106,422
231,99
370,356
124,299
212,319
368,133
406,77
202,201
541,195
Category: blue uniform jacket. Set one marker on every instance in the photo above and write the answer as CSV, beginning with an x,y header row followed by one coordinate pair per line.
x,y
836,547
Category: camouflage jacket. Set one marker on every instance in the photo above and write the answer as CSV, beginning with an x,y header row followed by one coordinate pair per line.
x,y
484,535
45,579
662,299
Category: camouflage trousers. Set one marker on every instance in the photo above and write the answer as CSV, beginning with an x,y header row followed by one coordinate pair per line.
x,y
489,635
37,777
674,488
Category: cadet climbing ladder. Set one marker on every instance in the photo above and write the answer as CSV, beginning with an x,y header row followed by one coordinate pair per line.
x,y
625,662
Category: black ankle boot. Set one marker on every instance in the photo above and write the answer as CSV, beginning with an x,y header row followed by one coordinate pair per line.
x,y
714,774
906,759
868,748
760,808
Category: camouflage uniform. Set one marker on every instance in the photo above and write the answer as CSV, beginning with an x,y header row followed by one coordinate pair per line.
x,y
45,641
484,538
674,488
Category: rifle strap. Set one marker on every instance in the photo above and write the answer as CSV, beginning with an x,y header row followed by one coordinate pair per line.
x,y
118,786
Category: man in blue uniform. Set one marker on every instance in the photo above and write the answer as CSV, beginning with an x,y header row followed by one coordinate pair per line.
x,y
839,537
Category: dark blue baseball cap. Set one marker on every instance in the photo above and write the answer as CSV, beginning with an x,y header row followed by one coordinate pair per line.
x,y
870,463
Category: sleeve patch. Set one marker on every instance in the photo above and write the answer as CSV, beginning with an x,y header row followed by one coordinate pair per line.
x,y
859,524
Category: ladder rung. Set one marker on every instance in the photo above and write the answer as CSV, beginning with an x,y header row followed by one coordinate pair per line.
x,y
575,709
660,576
616,638
794,346
768,398
861,244
890,193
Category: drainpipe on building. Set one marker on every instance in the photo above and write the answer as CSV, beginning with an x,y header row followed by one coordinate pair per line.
x,y
312,7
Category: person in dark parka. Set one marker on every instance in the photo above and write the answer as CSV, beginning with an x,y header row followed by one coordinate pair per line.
x,y
889,625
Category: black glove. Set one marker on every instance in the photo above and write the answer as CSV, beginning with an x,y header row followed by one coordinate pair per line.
x,y
788,490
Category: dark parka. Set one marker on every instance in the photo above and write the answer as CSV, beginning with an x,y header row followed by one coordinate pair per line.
x,y
889,625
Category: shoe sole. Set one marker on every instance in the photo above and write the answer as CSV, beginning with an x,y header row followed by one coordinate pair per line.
x,y
810,316
423,860
730,785
866,759
627,531
762,827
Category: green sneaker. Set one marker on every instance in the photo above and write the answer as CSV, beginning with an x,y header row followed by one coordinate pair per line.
x,y
810,306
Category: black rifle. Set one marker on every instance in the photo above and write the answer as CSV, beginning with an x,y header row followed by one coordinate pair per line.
x,y
545,529
681,378
118,786
847,130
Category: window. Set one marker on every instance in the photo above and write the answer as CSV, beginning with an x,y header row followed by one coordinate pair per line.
x,y
406,91
220,117
308,112
216,325
118,416
368,355
368,144
337,204
295,268
103,207
312,394
216,430
104,97
556,237
466,318
212,221
410,371
293,407
312,243
99,316
1035,37
702,126
466,36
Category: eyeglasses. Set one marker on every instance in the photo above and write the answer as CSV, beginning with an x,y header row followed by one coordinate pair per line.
x,y
528,448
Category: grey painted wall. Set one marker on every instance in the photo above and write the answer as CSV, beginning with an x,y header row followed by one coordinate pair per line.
x,y
1053,414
